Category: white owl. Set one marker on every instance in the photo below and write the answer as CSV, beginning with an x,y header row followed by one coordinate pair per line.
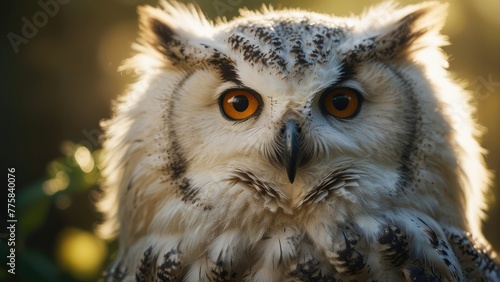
x,y
294,146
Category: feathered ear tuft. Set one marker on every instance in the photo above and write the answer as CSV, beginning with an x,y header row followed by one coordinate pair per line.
x,y
155,31
417,27
401,33
171,31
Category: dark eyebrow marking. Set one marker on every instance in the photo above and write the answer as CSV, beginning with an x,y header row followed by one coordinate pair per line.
x,y
347,71
226,68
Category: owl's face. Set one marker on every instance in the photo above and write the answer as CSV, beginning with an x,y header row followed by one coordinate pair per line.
x,y
291,129
293,108
293,134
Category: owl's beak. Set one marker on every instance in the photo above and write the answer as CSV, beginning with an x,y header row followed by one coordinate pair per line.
x,y
290,154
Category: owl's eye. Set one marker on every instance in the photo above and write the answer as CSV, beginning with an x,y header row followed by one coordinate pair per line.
x,y
239,104
341,102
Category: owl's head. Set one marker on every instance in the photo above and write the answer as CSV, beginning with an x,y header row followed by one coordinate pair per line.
x,y
286,114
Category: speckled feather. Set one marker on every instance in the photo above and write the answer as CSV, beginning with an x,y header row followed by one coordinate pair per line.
x,y
392,194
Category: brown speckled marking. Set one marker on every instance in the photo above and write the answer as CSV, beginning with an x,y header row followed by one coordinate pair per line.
x,y
170,268
146,270
396,245
219,273
476,259
271,44
349,260
116,274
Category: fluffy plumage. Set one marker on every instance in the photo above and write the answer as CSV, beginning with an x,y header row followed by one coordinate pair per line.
x,y
394,191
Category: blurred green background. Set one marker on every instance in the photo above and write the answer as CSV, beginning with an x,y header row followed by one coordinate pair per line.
x,y
58,84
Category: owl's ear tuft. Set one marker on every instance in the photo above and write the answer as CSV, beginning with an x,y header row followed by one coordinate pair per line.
x,y
173,31
416,27
401,33
156,33
163,32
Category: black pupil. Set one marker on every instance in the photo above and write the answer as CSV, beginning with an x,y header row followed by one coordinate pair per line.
x,y
340,102
240,103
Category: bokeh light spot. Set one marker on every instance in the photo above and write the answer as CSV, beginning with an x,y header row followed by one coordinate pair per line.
x,y
81,253
84,159
56,184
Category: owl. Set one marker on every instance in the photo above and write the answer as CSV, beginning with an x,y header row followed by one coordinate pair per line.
x,y
287,145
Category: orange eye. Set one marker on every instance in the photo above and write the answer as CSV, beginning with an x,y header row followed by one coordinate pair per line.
x,y
341,102
239,104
